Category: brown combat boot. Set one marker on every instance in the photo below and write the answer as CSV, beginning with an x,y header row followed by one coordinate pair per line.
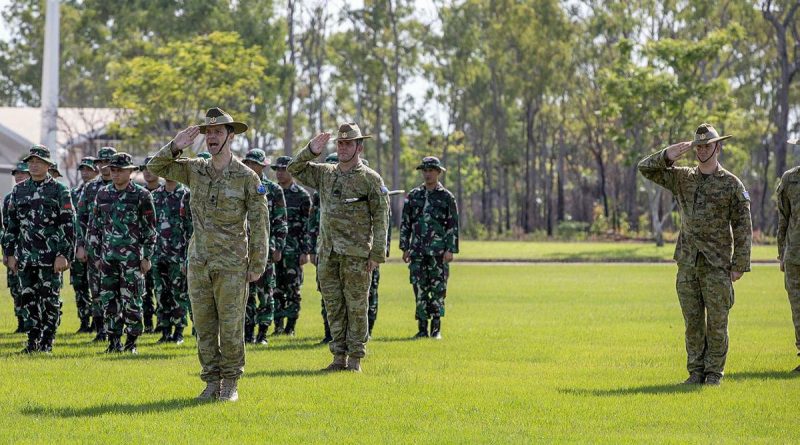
x,y
714,379
339,364
229,391
354,364
211,392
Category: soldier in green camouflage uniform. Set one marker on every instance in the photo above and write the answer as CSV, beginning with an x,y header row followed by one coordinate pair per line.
x,y
20,173
289,271
713,248
354,210
174,230
122,235
788,196
229,247
85,211
149,298
77,273
261,301
428,239
38,243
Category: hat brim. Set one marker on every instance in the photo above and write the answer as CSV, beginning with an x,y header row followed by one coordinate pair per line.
x,y
48,160
263,164
423,167
364,136
711,141
127,167
238,127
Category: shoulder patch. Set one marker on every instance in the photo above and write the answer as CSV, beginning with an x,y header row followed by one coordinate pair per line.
x,y
261,189
746,195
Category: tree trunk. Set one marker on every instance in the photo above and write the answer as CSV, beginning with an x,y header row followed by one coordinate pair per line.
x,y
288,135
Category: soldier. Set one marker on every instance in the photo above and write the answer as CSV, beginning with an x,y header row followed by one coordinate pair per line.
x,y
174,230
20,173
227,200
39,242
312,233
354,214
53,170
261,302
429,239
85,211
149,300
788,195
289,271
713,248
77,274
121,238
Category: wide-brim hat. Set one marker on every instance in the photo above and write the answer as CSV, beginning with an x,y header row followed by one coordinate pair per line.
x,y
706,134
281,162
41,152
431,162
143,166
350,132
87,162
54,167
21,167
257,156
124,161
217,116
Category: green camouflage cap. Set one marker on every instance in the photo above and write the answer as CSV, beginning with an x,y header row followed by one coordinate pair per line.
x,y
41,152
88,162
431,162
21,167
706,134
143,167
258,156
105,153
124,161
54,168
332,158
204,155
281,162
217,116
351,132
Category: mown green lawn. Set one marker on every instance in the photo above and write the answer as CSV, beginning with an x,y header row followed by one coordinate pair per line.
x,y
532,353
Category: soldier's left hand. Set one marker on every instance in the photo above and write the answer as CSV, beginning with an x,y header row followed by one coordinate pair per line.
x,y
736,275
303,259
60,264
145,265
276,256
448,256
371,265
252,277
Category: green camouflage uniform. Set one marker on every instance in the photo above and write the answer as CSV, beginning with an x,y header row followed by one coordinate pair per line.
x,y
354,209
788,194
121,235
174,230
289,272
85,212
429,228
12,279
221,253
77,273
40,228
714,240
150,300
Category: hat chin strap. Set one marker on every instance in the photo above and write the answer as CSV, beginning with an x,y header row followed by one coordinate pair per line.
x,y
703,161
222,145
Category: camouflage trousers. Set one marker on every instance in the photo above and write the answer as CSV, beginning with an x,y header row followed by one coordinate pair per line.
x,y
218,303
344,282
706,296
39,299
288,279
149,299
792,283
170,285
12,280
93,274
429,276
80,284
121,289
260,300
372,308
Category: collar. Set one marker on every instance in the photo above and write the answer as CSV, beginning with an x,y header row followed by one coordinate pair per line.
x,y
357,168
438,187
719,172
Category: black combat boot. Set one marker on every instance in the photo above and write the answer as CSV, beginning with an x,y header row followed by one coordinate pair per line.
x,y
33,342
166,336
248,333
436,328
20,326
290,324
130,344
99,326
148,325
84,326
261,339
114,344
423,328
278,326
328,338
177,337
46,343
371,323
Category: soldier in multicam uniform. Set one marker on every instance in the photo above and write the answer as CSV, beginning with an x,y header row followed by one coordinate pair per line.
x,y
428,239
77,273
149,299
229,247
713,248
261,301
85,211
354,214
39,243
121,238
289,271
20,173
312,233
788,196
174,230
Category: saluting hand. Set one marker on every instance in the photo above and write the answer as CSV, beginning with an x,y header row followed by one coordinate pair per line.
x,y
186,137
677,151
318,143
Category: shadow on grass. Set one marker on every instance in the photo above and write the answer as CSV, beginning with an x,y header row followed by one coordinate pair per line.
x,y
396,339
110,408
673,388
762,375
607,256
287,373
290,345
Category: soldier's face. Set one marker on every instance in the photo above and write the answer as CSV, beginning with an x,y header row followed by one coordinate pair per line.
x,y
431,175
347,150
149,176
706,152
258,168
104,169
21,176
120,176
38,168
282,175
216,138
87,174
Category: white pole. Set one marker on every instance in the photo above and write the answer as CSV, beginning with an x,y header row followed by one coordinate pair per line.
x,y
50,65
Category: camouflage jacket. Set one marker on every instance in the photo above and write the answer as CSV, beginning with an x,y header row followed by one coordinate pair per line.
x,y
85,208
430,222
354,207
6,202
277,213
312,228
298,211
39,223
173,224
123,224
788,196
223,205
714,209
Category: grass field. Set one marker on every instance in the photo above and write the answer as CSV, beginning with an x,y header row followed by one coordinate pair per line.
x,y
531,353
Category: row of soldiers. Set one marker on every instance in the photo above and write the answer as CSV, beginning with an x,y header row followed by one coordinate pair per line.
x,y
131,242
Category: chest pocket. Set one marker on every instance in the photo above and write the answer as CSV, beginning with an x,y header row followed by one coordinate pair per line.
x,y
230,204
127,210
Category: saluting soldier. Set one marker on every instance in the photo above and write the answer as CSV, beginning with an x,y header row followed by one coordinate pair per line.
x,y
78,274
20,173
429,239
312,233
39,243
713,248
788,194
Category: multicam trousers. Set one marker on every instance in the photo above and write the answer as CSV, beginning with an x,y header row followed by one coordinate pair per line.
x,y
344,282
792,283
